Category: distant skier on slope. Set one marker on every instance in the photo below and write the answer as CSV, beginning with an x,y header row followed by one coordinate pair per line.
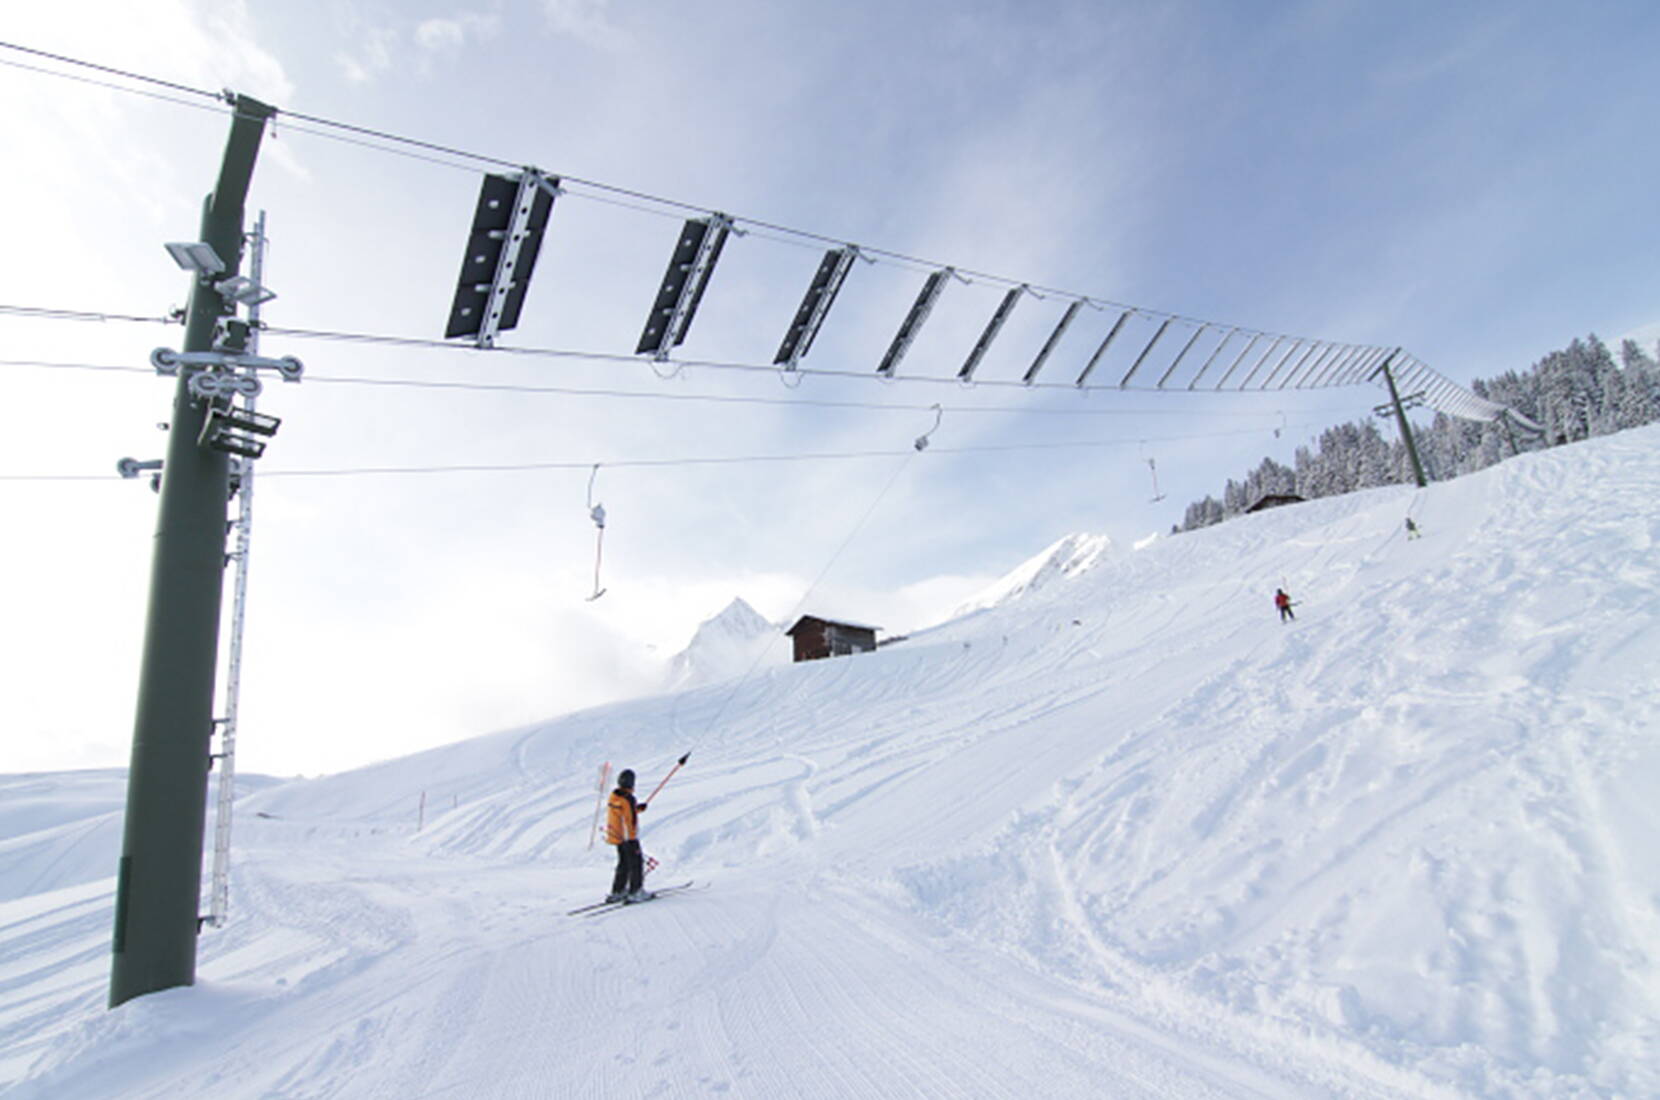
x,y
1412,531
622,828
1283,602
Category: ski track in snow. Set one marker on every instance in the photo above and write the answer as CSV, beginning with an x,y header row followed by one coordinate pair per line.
x,y
1124,835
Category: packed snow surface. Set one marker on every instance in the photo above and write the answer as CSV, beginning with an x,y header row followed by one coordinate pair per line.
x,y
1119,834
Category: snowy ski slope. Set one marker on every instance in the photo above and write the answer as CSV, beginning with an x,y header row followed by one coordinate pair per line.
x,y
1122,834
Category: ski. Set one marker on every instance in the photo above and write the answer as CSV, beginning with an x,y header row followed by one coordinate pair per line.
x,y
678,888
600,906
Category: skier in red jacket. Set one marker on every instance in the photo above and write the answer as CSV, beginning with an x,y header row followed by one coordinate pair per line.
x,y
1283,602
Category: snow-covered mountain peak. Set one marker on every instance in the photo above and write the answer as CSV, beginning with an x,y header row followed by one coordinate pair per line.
x,y
723,646
1066,558
738,619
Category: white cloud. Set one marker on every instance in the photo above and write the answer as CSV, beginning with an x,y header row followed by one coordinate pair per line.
x,y
229,48
453,33
1646,336
371,56
586,20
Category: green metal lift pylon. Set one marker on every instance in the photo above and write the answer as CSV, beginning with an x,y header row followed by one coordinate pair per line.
x,y
1400,419
159,878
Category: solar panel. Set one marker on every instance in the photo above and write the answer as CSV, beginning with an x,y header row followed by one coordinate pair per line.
x,y
821,294
505,238
678,296
924,305
1054,338
1004,308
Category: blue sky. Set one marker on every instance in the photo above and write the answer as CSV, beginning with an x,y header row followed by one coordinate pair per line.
x,y
1472,182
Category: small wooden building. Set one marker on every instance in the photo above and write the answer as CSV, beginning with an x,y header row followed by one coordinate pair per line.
x,y
1274,500
817,638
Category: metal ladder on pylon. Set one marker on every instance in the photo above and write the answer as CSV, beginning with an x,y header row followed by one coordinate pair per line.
x,y
219,895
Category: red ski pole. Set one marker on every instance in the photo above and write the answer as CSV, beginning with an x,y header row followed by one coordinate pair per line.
x,y
678,764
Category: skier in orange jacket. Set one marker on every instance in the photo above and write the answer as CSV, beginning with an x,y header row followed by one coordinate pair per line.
x,y
622,828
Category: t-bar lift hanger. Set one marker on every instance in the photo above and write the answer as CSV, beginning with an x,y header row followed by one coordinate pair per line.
x,y
596,512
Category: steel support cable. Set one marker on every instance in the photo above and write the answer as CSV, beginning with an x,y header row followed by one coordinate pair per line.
x,y
727,460
903,465
1340,367
1275,373
95,82
1272,348
1211,358
1325,353
1312,367
109,70
1333,369
1365,369
739,460
730,399
366,132
110,368
1176,362
48,314
1416,374
1450,394
1289,352
363,133
1240,358
1316,375
681,364
1356,368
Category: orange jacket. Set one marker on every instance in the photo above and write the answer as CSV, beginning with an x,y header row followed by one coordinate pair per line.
x,y
622,818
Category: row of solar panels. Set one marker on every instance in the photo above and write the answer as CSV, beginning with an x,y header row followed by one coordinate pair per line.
x,y
512,214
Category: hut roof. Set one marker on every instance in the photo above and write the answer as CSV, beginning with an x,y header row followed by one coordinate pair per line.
x,y
829,622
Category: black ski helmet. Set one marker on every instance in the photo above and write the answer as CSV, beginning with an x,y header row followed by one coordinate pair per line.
x,y
625,779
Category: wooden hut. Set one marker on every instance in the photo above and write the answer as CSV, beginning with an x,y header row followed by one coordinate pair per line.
x,y
817,638
1274,500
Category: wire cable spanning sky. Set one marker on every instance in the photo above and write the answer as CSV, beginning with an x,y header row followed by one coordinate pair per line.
x,y
1458,182
1336,363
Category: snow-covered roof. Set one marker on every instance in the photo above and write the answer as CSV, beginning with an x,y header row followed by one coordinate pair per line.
x,y
831,622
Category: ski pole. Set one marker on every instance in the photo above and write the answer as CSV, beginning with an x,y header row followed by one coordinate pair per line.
x,y
678,764
599,802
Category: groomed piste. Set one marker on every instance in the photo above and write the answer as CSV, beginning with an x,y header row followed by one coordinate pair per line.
x,y
1119,833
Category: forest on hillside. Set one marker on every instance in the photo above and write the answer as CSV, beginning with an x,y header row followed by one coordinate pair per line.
x,y
1574,394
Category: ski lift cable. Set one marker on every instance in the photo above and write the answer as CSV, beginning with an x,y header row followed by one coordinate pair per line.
x,y
737,366
1491,409
858,526
727,460
105,69
364,135
1466,405
657,395
604,357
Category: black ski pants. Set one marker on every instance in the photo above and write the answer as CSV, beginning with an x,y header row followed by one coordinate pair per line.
x,y
631,870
